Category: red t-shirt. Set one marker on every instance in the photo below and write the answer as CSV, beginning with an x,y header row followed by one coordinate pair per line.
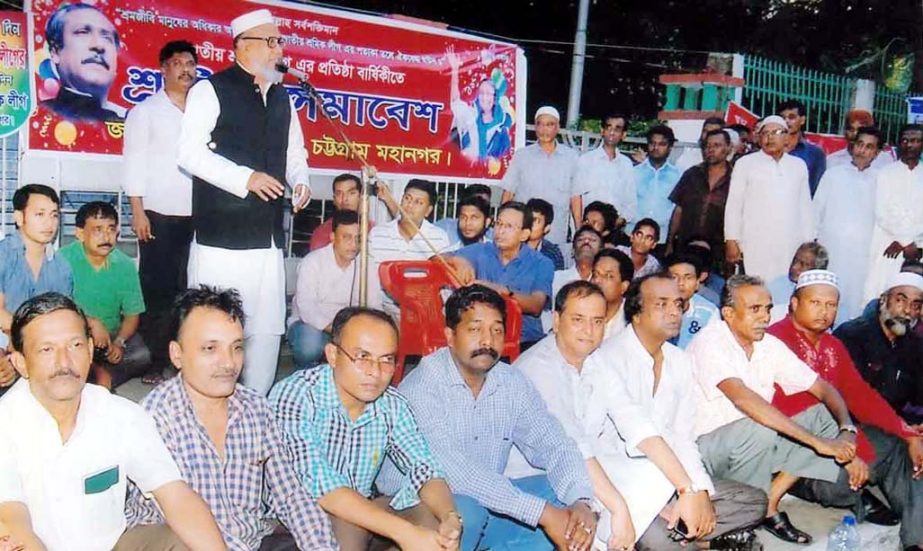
x,y
830,359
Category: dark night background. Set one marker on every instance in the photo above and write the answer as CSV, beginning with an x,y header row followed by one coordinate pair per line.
x,y
818,34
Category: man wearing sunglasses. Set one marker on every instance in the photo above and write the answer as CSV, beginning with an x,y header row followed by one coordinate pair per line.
x,y
342,420
242,142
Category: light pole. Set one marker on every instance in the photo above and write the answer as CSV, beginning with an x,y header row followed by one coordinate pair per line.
x,y
576,71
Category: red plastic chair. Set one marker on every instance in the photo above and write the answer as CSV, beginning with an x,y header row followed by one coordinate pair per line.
x,y
416,285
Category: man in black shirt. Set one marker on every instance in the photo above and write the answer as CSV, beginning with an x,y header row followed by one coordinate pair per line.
x,y
886,351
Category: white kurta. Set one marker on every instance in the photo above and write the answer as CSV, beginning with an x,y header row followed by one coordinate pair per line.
x,y
258,274
898,217
623,411
768,212
844,211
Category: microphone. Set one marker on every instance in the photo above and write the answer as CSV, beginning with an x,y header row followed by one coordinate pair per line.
x,y
285,69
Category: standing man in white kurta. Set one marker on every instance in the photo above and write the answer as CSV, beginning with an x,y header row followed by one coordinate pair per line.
x,y
241,140
768,211
898,231
641,411
844,209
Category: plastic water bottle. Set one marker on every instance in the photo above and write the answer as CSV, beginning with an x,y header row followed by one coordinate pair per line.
x,y
844,536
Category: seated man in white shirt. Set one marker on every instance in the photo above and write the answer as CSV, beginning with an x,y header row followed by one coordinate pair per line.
x,y
587,242
328,281
742,437
68,448
641,413
555,367
409,237
612,272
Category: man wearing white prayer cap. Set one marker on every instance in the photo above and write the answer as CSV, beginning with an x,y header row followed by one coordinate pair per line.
x,y
768,211
546,170
889,453
885,349
242,142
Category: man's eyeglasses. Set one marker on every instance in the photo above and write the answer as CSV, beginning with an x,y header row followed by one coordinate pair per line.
x,y
777,132
271,41
385,363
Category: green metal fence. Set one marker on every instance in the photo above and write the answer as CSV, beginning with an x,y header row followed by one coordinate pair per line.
x,y
890,112
826,96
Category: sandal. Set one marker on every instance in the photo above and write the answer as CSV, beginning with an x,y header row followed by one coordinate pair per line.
x,y
741,540
781,527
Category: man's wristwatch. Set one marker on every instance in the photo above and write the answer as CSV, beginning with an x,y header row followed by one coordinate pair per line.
x,y
120,341
849,428
690,489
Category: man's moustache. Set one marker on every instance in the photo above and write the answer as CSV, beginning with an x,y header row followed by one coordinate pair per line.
x,y
485,351
65,373
97,60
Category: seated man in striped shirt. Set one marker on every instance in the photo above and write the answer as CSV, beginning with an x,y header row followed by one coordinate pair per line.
x,y
342,420
474,409
223,436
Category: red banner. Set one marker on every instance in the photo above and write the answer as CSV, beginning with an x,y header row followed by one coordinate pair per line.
x,y
388,81
738,114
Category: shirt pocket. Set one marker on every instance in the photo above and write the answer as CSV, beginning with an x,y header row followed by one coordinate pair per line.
x,y
102,508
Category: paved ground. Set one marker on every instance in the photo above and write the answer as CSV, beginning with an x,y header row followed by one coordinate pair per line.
x,y
809,517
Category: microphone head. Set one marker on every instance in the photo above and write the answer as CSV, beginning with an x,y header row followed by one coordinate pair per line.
x,y
282,67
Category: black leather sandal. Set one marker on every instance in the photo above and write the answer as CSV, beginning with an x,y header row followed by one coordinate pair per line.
x,y
741,540
781,527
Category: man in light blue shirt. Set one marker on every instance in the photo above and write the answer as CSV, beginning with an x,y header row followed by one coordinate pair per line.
x,y
472,228
29,265
686,270
473,409
656,177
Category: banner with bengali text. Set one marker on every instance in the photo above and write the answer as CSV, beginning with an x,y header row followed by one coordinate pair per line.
x,y
416,99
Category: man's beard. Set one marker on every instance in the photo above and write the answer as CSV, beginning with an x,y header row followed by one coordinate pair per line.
x,y
270,74
899,325
476,239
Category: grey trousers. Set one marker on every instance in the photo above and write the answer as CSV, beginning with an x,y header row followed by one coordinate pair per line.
x,y
355,538
892,472
747,452
737,507
150,537
136,361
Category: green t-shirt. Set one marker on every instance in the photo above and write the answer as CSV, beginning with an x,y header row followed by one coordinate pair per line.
x,y
109,293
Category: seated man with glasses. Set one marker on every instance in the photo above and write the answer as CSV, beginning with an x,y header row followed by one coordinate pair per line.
x,y
341,420
107,287
644,238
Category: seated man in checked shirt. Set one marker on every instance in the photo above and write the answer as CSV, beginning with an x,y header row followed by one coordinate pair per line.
x,y
341,420
473,409
224,438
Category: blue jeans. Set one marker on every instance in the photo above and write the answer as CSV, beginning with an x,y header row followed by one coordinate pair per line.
x,y
487,530
307,344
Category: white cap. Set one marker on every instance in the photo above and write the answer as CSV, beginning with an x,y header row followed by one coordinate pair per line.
x,y
817,277
772,119
548,110
902,279
249,20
